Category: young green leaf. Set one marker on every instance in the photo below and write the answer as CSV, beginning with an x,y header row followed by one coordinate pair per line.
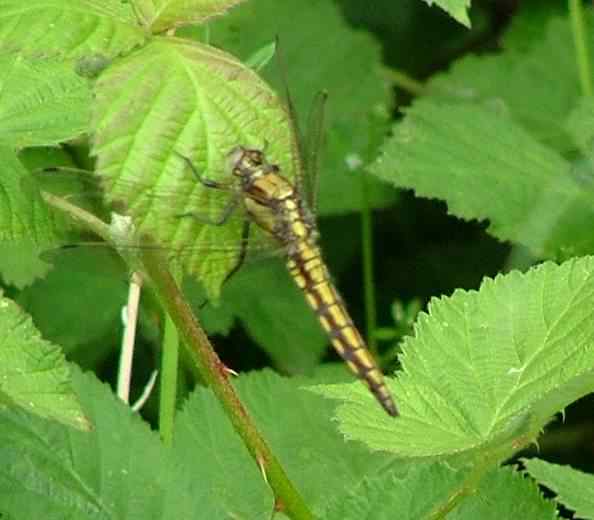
x,y
42,102
33,372
573,487
43,28
486,369
175,99
486,166
160,15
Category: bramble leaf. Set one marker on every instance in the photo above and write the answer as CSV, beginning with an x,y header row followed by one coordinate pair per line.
x,y
121,470
33,373
176,99
41,102
573,487
26,226
42,28
485,370
164,14
432,490
488,167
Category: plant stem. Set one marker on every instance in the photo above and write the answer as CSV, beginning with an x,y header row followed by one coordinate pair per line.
x,y
368,275
576,14
214,373
168,384
405,82
127,350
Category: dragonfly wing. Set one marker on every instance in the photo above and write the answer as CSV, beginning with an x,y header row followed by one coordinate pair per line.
x,y
312,148
178,221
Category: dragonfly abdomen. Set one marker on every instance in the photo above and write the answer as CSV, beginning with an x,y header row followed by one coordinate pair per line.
x,y
307,268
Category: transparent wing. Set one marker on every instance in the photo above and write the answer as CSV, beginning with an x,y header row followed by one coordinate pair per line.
x,y
313,147
307,147
179,217
298,141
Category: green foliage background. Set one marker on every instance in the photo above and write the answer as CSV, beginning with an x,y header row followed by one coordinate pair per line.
x,y
456,162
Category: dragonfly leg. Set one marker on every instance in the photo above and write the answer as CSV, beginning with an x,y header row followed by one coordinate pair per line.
x,y
223,217
207,183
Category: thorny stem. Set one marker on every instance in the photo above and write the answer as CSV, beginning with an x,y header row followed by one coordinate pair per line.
x,y
211,369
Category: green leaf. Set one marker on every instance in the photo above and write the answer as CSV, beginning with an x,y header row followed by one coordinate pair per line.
x,y
114,472
487,167
485,369
41,102
295,423
79,275
26,226
457,9
433,490
354,125
43,28
526,79
121,470
33,372
573,487
171,98
505,493
424,489
160,15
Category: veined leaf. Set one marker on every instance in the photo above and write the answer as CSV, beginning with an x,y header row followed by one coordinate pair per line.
x,y
70,29
573,487
41,102
26,226
432,490
113,472
173,99
486,369
525,79
122,471
425,488
505,493
487,167
33,372
164,14
294,422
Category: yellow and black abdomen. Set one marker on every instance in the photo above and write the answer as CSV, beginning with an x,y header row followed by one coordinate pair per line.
x,y
309,271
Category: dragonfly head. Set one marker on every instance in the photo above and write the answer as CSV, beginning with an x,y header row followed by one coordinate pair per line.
x,y
248,162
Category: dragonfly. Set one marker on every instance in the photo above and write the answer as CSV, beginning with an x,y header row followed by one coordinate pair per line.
x,y
281,209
